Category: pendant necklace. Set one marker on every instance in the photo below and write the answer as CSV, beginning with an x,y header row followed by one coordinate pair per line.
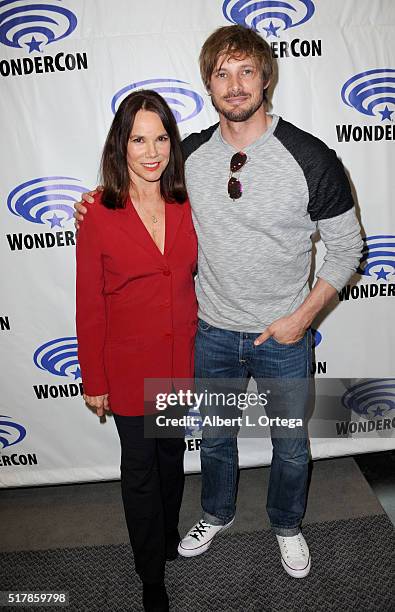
x,y
154,219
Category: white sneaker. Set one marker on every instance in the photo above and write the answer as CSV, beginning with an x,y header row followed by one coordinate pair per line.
x,y
295,555
199,538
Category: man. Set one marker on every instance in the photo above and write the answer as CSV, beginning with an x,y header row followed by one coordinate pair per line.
x,y
259,188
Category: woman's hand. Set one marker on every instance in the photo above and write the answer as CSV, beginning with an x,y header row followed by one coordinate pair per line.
x,y
80,209
98,402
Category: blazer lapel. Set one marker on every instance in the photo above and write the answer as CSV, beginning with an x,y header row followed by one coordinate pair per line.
x,y
136,230
174,217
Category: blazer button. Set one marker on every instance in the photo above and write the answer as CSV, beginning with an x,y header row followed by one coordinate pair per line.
x,y
169,335
166,272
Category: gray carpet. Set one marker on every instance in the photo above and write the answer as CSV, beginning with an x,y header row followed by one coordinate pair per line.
x,y
352,570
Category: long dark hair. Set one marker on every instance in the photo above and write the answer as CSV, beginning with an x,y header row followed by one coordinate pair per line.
x,y
114,169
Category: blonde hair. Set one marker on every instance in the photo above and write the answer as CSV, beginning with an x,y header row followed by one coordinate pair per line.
x,y
236,42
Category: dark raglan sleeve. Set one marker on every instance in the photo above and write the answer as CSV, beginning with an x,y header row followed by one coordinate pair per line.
x,y
330,205
192,142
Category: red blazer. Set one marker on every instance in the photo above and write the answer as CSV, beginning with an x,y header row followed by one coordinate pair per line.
x,y
136,308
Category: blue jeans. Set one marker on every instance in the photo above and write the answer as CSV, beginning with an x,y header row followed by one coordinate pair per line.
x,y
225,354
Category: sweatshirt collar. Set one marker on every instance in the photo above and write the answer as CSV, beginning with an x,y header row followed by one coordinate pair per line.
x,y
261,140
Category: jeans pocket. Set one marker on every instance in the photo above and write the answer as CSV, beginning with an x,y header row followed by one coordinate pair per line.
x,y
288,344
203,326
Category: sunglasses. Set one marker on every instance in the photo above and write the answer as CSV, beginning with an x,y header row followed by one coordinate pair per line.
x,y
235,188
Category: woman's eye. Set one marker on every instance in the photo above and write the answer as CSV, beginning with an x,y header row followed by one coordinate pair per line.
x,y
163,138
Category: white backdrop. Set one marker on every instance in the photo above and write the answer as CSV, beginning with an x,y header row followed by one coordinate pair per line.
x,y
62,67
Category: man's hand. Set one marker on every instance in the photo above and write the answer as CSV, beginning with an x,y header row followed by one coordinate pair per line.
x,y
98,402
286,330
80,209
292,328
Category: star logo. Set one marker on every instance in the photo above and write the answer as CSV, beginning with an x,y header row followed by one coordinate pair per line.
x,y
386,114
55,221
382,274
34,45
378,412
271,30
76,373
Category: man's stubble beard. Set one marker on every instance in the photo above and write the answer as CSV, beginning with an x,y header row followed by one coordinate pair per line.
x,y
238,116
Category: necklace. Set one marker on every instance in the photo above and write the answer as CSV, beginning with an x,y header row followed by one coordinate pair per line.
x,y
154,219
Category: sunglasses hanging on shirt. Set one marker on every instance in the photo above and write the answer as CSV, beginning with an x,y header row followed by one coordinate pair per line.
x,y
235,188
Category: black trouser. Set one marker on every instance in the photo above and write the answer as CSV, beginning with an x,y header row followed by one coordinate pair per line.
x,y
152,482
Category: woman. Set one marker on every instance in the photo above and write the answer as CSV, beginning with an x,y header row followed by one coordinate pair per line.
x,y
137,314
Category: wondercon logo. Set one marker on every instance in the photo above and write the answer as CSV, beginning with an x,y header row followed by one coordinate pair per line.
x,y
268,16
195,423
371,398
316,337
59,357
371,93
378,257
33,25
46,200
10,432
184,102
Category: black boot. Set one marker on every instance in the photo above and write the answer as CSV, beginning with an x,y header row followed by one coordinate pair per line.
x,y
155,597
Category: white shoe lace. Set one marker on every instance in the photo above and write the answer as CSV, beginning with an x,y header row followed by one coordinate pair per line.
x,y
294,547
199,530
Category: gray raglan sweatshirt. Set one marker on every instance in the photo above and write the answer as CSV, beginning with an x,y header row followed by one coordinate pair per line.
x,y
255,252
